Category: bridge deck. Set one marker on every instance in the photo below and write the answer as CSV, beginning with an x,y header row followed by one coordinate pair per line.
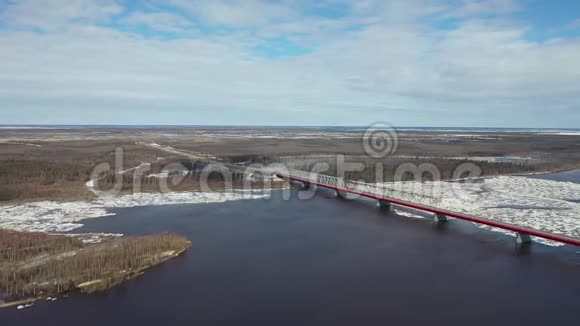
x,y
506,226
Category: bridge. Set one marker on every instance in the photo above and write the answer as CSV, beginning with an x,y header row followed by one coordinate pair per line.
x,y
387,196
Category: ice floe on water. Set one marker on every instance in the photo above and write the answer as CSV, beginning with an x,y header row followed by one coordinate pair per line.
x,y
24,306
535,203
50,216
409,212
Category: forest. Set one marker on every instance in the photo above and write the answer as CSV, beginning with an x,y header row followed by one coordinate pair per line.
x,y
386,169
187,175
37,265
24,179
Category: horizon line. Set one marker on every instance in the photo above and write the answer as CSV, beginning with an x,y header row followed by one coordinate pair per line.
x,y
276,126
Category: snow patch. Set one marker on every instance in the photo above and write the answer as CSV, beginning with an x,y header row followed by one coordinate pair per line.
x,y
410,213
535,203
24,306
51,216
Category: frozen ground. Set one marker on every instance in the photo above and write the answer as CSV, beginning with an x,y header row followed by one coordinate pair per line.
x,y
552,206
49,216
171,150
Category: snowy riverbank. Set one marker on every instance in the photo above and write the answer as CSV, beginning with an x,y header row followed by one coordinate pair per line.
x,y
51,216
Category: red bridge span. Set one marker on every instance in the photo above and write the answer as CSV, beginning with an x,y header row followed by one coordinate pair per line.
x,y
523,234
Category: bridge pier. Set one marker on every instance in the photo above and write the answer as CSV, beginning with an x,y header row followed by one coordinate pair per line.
x,y
384,205
523,234
523,238
438,218
341,194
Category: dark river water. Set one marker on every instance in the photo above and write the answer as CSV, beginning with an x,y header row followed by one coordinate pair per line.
x,y
570,176
323,261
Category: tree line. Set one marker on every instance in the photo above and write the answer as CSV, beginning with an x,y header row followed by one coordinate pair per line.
x,y
33,265
20,171
386,169
42,180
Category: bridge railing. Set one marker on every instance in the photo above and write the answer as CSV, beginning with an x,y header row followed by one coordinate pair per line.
x,y
523,233
393,192
380,190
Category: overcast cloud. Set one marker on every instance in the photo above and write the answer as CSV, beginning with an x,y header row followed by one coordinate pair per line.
x,y
410,62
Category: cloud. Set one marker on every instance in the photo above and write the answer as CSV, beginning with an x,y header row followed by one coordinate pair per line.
x,y
378,61
471,8
235,13
575,24
53,13
158,21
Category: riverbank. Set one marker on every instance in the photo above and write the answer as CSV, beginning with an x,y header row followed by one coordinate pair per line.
x,y
35,266
53,216
321,261
18,303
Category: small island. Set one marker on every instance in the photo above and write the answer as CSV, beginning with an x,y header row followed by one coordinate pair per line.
x,y
36,265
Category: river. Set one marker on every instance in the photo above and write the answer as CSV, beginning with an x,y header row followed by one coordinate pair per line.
x,y
323,261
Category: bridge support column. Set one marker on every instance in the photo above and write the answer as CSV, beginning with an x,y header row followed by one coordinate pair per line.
x,y
384,205
341,194
440,218
523,238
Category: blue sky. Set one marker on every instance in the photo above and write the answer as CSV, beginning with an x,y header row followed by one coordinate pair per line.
x,y
488,63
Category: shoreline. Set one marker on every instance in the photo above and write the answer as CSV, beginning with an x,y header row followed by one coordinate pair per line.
x,y
4,304
61,217
240,191
128,276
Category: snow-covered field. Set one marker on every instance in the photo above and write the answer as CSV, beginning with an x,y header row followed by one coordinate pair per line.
x,y
546,205
50,216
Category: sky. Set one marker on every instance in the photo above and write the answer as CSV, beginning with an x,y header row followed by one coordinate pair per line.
x,y
465,63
